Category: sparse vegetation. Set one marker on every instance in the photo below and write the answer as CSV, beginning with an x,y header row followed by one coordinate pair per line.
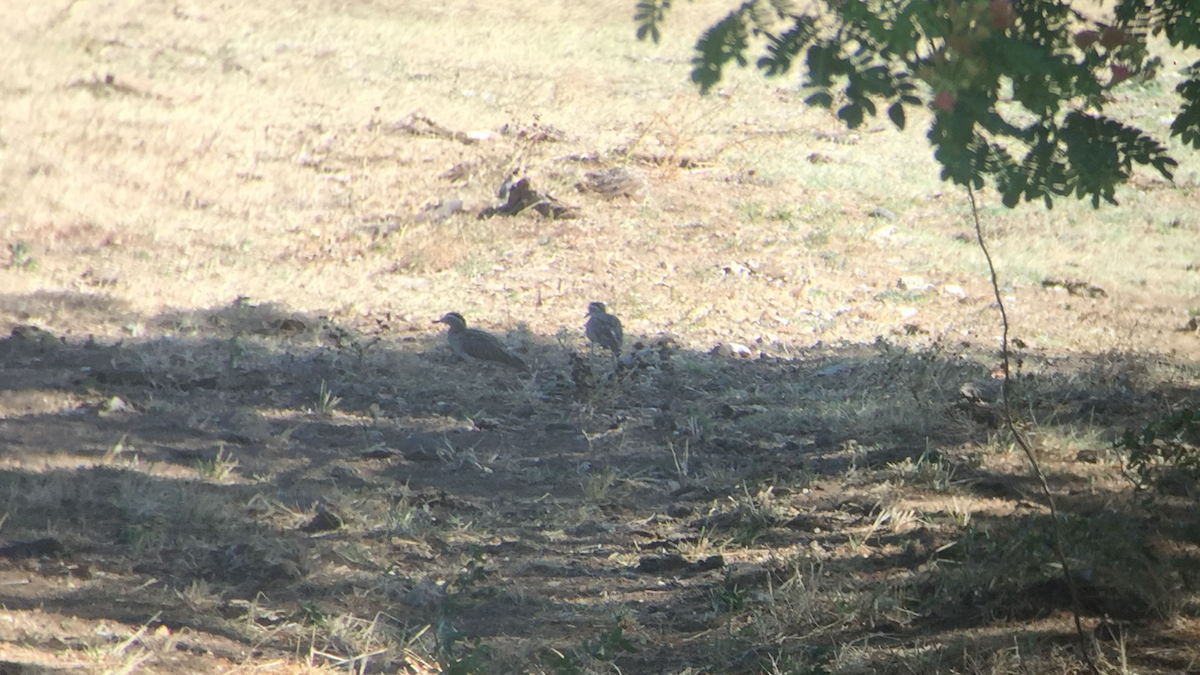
x,y
1018,89
235,440
1165,445
219,468
20,257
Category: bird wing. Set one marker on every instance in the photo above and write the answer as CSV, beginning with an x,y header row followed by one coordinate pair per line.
x,y
488,347
606,331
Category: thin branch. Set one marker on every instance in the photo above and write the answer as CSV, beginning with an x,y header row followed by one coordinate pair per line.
x,y
1056,525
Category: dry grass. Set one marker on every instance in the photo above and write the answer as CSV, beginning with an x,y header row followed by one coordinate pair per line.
x,y
253,450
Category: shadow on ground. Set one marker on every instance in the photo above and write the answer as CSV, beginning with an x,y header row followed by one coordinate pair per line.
x,y
269,482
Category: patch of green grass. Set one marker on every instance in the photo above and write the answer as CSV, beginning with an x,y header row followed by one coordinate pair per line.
x,y
597,484
817,238
473,266
751,211
458,654
20,257
220,468
590,652
749,516
327,403
929,470
897,296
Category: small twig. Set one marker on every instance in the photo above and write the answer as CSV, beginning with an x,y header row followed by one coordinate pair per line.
x,y
1056,525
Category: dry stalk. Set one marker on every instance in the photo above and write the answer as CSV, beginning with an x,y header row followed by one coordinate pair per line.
x,y
1055,525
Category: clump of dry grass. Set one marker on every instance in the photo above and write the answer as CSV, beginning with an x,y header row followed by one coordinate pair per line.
x,y
223,299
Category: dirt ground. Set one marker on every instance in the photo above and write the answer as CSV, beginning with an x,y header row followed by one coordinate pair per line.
x,y
232,439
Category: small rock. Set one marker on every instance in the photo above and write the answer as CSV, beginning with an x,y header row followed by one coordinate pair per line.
x,y
112,405
882,213
829,371
883,234
379,453
519,195
439,211
47,547
954,291
324,521
981,392
1075,287
680,510
486,423
425,595
729,349
347,477
670,562
420,447
290,326
35,336
615,182
247,426
734,412
458,171
912,283
590,528
736,269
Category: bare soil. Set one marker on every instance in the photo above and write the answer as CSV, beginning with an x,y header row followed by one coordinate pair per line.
x,y
231,437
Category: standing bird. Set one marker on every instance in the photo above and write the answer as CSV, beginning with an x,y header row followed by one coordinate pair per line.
x,y
477,344
604,329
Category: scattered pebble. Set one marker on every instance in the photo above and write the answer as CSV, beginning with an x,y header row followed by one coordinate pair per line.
x,y
324,521
883,234
730,349
830,371
954,291
112,405
912,283
425,595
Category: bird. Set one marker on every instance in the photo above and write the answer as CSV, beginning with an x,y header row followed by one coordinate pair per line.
x,y
477,344
604,329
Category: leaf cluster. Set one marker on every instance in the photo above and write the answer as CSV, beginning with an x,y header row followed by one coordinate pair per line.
x,y
1018,87
1170,442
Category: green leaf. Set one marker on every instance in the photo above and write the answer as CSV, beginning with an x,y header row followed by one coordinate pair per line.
x,y
875,52
1187,125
